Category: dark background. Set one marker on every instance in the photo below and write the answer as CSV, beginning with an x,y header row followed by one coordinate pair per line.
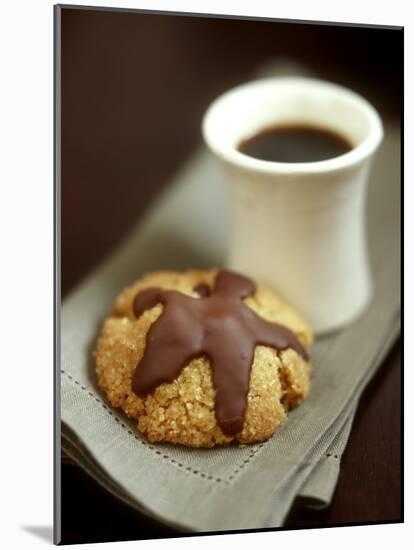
x,y
134,90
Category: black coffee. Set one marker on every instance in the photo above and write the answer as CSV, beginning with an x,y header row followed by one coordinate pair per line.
x,y
295,143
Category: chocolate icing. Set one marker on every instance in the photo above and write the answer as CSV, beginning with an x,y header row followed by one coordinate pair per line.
x,y
218,326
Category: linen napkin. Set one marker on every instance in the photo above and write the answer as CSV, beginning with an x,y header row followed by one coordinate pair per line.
x,y
234,487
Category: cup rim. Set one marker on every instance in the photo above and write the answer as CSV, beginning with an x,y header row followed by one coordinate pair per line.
x,y
235,157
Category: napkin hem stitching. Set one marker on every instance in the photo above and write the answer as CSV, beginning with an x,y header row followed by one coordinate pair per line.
x,y
174,462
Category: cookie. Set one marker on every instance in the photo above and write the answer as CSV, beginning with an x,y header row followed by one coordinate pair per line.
x,y
203,358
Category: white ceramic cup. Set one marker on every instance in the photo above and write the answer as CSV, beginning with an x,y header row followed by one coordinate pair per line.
x,y
299,227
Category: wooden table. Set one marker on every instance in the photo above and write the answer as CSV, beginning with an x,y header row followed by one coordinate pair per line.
x,y
134,89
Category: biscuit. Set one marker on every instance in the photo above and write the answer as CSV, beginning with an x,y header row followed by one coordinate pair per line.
x,y
202,403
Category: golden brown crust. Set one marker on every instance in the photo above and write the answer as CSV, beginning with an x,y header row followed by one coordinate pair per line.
x,y
183,411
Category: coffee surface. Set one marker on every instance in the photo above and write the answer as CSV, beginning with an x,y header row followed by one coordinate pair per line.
x,y
217,325
295,143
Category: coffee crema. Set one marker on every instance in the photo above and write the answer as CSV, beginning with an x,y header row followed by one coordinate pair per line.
x,y
295,143
217,325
